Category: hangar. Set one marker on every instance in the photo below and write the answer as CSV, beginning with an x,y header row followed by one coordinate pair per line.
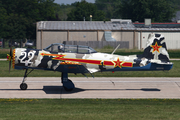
x,y
116,30
58,31
171,32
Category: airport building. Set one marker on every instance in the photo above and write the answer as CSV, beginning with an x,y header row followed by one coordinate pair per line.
x,y
105,32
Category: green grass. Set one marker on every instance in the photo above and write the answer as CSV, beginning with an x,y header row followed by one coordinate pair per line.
x,y
3,53
90,109
174,72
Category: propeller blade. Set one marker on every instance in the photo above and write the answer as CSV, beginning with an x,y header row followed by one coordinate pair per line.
x,y
9,66
10,57
11,51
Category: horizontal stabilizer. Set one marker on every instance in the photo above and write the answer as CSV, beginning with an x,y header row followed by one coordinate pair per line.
x,y
92,70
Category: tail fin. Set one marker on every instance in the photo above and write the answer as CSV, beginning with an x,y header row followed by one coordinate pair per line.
x,y
156,48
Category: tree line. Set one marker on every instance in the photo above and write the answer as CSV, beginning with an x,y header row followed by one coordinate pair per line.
x,y
18,17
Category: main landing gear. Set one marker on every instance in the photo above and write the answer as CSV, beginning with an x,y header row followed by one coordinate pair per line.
x,y
67,84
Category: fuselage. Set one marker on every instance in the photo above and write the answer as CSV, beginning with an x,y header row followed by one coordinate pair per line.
x,y
83,63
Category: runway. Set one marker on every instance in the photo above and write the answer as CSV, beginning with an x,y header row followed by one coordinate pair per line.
x,y
99,87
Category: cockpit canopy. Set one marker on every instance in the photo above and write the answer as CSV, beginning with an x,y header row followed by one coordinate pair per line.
x,y
58,47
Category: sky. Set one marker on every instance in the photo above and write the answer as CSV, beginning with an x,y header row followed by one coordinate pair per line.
x,y
71,1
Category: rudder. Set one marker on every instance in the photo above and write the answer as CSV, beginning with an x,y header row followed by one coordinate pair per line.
x,y
156,48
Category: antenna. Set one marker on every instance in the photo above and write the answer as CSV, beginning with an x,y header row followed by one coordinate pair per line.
x,y
115,49
84,19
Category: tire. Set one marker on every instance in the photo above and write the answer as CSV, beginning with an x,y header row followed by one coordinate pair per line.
x,y
23,86
68,86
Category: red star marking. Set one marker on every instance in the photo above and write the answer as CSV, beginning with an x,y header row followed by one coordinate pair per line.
x,y
156,47
118,63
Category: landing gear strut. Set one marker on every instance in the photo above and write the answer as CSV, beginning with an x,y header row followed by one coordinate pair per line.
x,y
67,84
23,85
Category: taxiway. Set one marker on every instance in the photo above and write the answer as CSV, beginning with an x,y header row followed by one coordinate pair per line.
x,y
99,87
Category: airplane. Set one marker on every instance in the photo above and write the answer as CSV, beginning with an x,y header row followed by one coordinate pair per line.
x,y
83,59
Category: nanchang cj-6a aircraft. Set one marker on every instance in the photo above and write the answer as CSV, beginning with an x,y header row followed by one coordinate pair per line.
x,y
83,59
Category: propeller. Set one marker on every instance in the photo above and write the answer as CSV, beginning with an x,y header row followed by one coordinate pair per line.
x,y
9,57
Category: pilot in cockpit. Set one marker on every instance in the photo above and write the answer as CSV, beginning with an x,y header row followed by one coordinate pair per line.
x,y
60,48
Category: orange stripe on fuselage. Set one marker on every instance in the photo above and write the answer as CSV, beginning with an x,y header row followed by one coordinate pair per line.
x,y
109,63
97,62
44,54
60,57
127,64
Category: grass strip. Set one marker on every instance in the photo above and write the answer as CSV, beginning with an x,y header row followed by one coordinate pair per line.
x,y
88,109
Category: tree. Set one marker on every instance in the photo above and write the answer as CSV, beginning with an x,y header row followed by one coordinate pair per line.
x,y
157,10
85,9
109,7
62,10
3,21
20,17
46,9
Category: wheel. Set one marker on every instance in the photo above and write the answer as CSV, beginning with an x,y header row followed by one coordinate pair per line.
x,y
23,86
68,85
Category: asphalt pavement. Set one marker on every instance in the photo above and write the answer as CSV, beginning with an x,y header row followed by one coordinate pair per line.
x,y
99,87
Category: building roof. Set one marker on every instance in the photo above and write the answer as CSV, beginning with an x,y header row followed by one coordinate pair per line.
x,y
97,25
83,25
158,25
158,29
